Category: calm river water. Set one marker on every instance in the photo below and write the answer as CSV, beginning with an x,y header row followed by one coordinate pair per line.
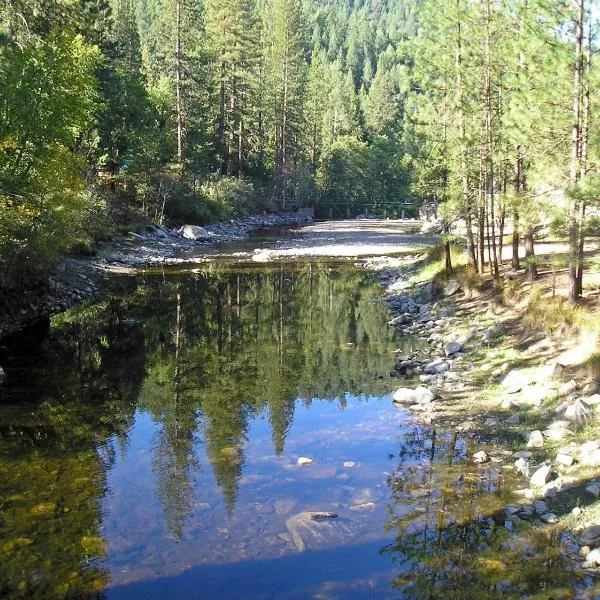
x,y
149,449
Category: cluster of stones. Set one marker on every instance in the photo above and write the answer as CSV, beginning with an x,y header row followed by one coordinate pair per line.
x,y
420,315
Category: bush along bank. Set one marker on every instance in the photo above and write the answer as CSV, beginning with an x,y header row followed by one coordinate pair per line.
x,y
527,398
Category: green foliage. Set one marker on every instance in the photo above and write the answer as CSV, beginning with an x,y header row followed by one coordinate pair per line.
x,y
42,200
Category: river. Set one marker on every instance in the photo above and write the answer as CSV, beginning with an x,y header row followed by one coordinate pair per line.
x,y
150,445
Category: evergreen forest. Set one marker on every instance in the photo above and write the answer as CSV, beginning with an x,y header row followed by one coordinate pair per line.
x,y
200,110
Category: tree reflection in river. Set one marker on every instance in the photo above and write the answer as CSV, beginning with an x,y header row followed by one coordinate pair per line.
x,y
243,342
203,353
453,536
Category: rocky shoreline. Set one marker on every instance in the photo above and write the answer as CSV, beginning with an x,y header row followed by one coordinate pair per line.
x,y
77,278
471,379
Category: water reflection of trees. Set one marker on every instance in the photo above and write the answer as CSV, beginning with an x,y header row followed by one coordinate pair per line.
x,y
203,354
248,342
453,538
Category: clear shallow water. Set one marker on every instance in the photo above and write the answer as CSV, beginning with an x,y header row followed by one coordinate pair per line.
x,y
149,446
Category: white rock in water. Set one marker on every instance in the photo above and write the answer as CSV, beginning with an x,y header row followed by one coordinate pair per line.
x,y
303,461
541,476
349,464
420,395
363,506
194,232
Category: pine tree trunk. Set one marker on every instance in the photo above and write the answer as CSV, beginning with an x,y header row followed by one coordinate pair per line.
x,y
575,170
481,222
490,181
530,255
178,80
463,143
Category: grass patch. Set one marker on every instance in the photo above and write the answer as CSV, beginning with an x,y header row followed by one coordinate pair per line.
x,y
552,315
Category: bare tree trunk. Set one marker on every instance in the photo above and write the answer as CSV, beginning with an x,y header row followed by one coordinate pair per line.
x,y
481,216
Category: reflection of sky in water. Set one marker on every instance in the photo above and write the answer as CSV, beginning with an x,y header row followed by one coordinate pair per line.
x,y
252,547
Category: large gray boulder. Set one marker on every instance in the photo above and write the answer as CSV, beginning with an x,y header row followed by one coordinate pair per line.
x,y
437,366
194,232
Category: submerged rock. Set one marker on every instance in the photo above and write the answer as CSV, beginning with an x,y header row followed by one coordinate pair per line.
x,y
308,532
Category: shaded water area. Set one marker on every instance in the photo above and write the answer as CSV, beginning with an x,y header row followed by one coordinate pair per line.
x,y
149,449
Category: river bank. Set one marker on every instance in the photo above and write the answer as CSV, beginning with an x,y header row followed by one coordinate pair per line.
x,y
516,369
76,278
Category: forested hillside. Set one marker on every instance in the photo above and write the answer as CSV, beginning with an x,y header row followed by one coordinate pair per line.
x,y
196,110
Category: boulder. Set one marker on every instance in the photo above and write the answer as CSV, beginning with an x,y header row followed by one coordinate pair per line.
x,y
400,320
522,467
451,288
194,232
493,332
541,476
453,348
590,535
303,461
577,412
549,518
480,457
420,395
536,439
592,559
437,366
564,459
567,388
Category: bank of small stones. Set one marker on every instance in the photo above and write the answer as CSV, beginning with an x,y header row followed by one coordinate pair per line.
x,y
549,459
76,279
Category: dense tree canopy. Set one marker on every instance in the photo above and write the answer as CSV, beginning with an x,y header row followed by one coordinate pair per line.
x,y
483,107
